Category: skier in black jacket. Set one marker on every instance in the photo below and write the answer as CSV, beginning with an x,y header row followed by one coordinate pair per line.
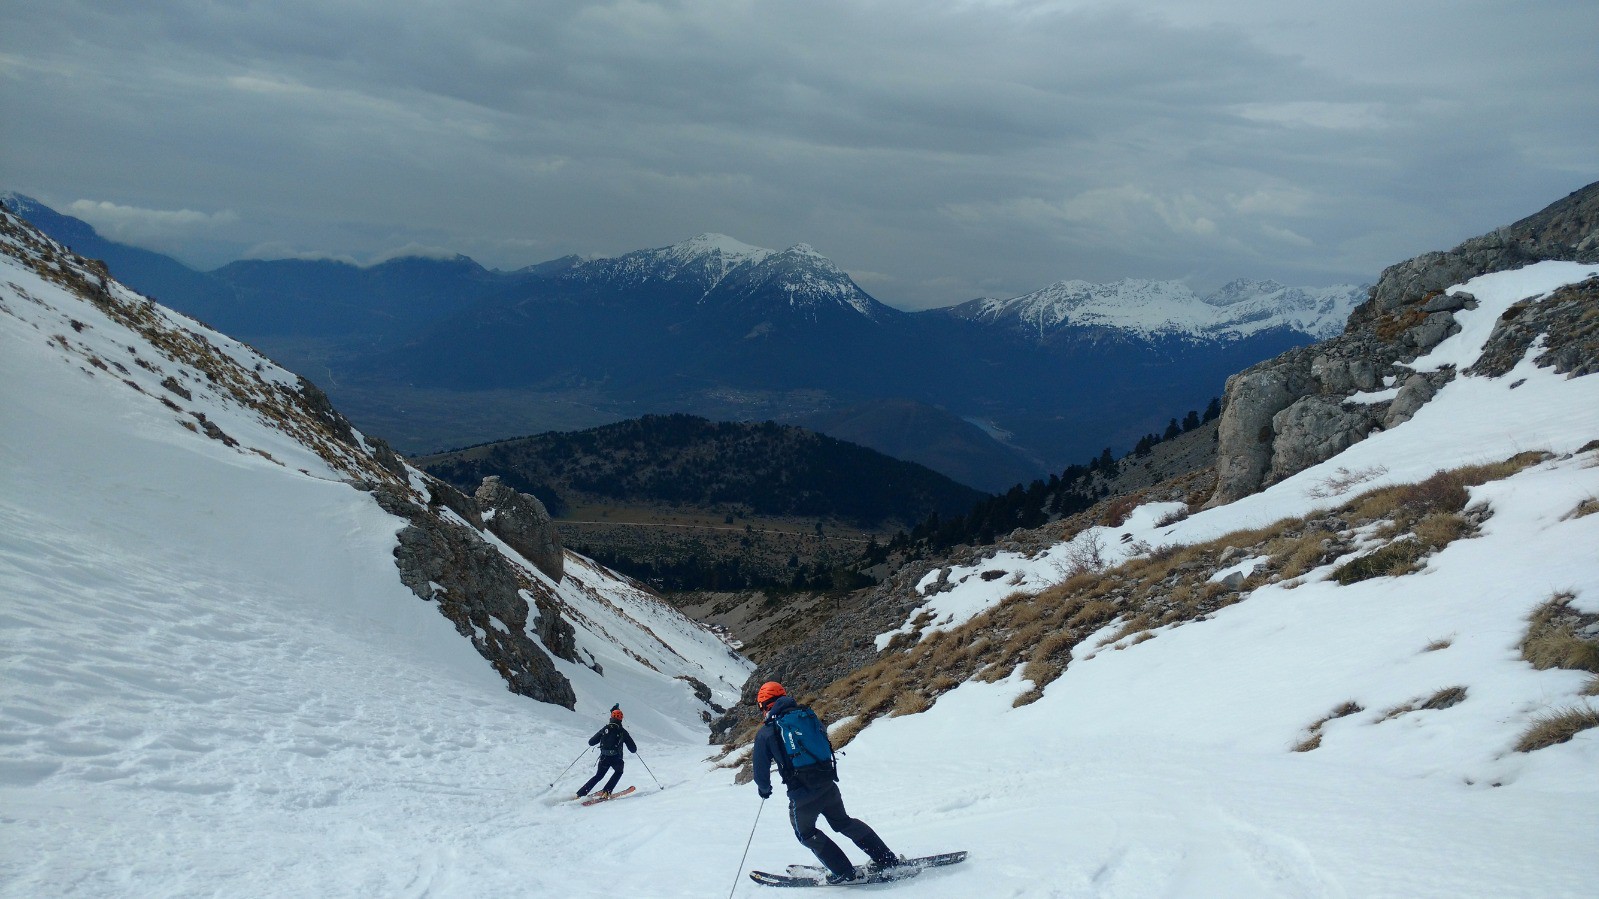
x,y
812,793
611,738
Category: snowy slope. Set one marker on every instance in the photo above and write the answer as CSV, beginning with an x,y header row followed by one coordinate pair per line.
x,y
1171,309
212,670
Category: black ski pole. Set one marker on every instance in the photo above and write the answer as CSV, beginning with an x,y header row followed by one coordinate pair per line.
x,y
567,768
647,768
746,848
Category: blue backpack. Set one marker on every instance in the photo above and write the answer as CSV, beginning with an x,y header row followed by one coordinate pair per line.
x,y
805,740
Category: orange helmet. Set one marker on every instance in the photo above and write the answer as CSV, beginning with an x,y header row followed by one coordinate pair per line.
x,y
769,691
616,714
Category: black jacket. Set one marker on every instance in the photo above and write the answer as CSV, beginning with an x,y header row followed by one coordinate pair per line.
x,y
611,738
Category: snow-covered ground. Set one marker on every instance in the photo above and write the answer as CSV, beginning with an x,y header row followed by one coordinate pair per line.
x,y
215,685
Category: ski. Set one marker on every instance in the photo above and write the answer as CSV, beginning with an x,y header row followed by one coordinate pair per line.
x,y
926,861
887,875
594,800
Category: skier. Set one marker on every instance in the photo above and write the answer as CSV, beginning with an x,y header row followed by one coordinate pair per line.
x,y
611,738
812,788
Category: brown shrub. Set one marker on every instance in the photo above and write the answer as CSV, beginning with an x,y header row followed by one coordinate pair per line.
x,y
841,735
1119,509
1440,529
910,702
1448,697
1557,726
1092,614
1398,557
1552,640
1313,739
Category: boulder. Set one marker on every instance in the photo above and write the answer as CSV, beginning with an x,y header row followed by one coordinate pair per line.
x,y
1414,394
1245,433
1313,430
524,524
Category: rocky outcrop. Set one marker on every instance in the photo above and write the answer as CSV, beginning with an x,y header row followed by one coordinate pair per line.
x,y
1568,229
479,590
1569,323
1301,408
523,523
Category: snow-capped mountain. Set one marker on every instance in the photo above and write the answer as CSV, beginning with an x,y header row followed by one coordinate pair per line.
x,y
737,278
1166,309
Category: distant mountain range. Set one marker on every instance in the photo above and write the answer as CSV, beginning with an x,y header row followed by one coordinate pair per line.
x,y
1156,309
443,352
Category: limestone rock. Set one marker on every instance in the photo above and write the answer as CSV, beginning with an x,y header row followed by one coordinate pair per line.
x,y
1431,332
1414,394
523,522
1341,377
481,593
1568,229
1313,430
1246,433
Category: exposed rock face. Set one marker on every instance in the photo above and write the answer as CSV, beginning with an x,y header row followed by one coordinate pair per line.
x,y
1569,323
523,522
1291,412
1568,229
1313,430
481,592
441,557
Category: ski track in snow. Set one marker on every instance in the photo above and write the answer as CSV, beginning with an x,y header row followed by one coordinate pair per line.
x,y
214,684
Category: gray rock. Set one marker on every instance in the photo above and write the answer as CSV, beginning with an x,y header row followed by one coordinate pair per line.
x,y
1337,376
1432,331
1233,581
478,590
1415,393
1450,302
1313,430
523,523
1245,433
1567,229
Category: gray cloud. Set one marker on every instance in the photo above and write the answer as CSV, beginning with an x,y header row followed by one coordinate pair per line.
x,y
942,151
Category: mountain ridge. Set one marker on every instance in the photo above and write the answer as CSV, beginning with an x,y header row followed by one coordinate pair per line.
x,y
455,354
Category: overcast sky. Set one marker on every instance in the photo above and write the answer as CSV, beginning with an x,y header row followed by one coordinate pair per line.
x,y
936,151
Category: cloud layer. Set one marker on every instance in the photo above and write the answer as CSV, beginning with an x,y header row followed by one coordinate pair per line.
x,y
943,151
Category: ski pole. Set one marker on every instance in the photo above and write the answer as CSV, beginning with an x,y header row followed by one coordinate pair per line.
x,y
567,768
647,768
746,848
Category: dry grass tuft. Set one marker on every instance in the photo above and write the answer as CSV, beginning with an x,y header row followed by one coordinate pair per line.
x,y
1313,739
1557,726
1441,643
1552,640
1448,697
1395,559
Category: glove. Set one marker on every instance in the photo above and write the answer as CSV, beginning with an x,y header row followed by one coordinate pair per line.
x,y
766,792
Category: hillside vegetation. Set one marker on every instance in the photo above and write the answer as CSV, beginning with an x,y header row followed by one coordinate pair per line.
x,y
758,468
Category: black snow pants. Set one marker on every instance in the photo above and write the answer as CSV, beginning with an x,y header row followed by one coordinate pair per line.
x,y
612,763
826,802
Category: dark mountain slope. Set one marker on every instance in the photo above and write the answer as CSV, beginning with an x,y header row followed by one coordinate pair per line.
x,y
763,469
